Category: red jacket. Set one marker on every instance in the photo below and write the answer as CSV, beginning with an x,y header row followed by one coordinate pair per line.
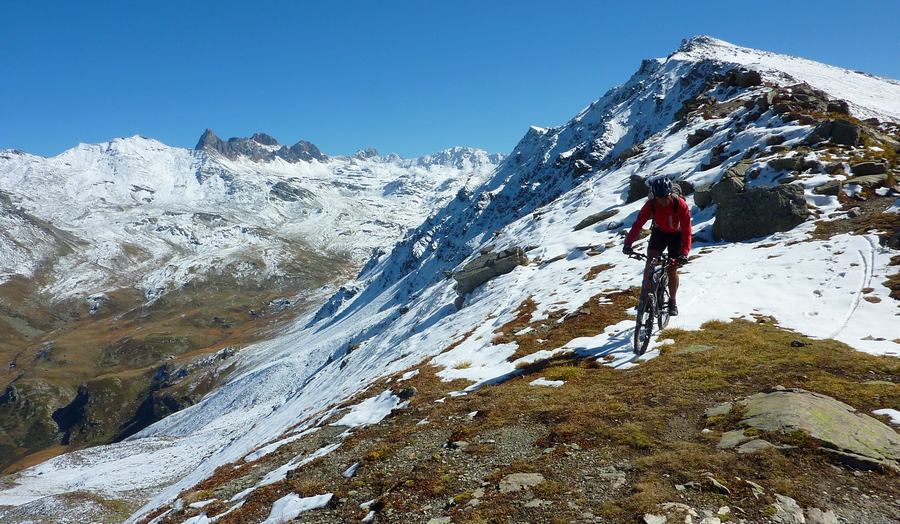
x,y
668,219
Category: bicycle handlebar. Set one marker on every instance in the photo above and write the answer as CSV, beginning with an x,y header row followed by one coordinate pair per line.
x,y
666,260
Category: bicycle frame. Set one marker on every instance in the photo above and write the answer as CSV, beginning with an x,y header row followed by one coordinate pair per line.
x,y
654,296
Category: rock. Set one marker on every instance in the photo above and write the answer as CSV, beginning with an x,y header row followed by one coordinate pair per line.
x,y
637,189
718,486
686,187
486,267
743,78
839,106
650,518
787,511
754,446
854,213
582,167
441,520
407,393
596,217
760,212
536,503
698,136
719,410
817,516
834,168
756,489
787,163
703,197
832,187
615,477
711,520
732,439
727,188
520,481
868,168
775,140
868,180
837,131
850,437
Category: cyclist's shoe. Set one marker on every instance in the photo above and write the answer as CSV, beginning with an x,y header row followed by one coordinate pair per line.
x,y
673,309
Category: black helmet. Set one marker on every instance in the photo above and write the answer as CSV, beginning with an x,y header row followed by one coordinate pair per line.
x,y
661,187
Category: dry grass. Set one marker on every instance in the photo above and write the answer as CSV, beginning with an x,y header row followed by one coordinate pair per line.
x,y
596,270
590,319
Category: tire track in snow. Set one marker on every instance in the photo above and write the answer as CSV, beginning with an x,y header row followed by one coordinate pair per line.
x,y
868,261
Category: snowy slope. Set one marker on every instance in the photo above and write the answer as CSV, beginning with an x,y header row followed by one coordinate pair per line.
x,y
143,214
399,312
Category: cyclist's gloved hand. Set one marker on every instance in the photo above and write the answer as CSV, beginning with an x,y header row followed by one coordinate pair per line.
x,y
627,249
682,260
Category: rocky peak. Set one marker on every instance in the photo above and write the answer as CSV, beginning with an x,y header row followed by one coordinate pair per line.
x,y
259,148
264,139
363,154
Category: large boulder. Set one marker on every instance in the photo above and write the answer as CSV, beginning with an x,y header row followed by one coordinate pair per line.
x,y
703,197
758,212
731,185
486,267
850,437
637,189
837,131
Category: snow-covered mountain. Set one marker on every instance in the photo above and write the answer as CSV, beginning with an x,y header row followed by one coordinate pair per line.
x,y
135,212
399,313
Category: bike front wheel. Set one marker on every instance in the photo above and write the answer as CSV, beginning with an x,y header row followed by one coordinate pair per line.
x,y
662,303
643,326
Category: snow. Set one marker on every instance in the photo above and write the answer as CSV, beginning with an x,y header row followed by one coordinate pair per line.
x,y
893,414
291,506
401,314
135,212
549,383
371,410
269,448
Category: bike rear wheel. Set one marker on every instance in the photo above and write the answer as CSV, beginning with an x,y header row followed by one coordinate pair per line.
x,y
643,326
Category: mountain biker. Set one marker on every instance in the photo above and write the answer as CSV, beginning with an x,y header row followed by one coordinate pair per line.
x,y
670,229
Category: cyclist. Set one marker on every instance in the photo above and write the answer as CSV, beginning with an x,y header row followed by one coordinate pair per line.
x,y
670,229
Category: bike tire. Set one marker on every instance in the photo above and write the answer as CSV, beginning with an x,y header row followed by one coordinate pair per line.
x,y
662,303
643,326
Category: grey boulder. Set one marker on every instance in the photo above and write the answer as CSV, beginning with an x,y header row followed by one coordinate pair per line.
x,y
758,212
488,266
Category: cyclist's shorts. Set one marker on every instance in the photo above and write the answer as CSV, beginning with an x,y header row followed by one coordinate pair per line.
x,y
660,240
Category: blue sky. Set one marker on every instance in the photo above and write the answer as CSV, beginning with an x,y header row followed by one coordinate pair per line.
x,y
402,76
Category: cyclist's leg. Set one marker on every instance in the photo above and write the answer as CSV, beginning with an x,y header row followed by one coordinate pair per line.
x,y
655,247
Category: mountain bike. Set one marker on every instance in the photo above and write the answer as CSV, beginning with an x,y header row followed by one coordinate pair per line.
x,y
654,301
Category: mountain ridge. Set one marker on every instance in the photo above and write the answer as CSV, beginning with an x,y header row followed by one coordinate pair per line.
x,y
398,316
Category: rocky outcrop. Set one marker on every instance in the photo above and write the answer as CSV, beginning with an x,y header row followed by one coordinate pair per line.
x,y
837,132
289,193
698,136
743,78
757,212
848,436
260,148
487,266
